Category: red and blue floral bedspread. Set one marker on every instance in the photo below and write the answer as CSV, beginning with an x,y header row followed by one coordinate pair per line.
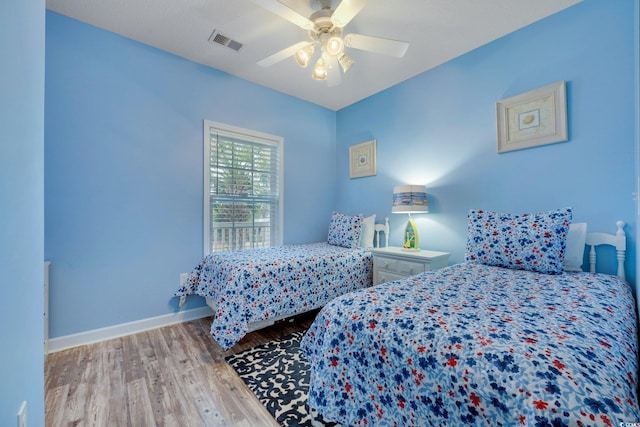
x,y
478,345
261,284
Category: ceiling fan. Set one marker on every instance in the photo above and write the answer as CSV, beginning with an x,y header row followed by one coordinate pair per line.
x,y
325,28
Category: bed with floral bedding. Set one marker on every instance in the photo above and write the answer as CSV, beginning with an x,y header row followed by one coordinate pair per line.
x,y
249,289
509,337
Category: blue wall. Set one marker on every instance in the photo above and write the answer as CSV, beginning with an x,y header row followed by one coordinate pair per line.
x,y
123,154
439,129
636,37
123,178
22,209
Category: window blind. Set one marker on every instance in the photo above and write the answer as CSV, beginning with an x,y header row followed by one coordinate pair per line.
x,y
243,190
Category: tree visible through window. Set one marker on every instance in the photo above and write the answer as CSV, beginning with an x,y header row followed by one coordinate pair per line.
x,y
242,188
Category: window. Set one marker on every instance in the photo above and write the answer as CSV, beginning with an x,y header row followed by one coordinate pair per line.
x,y
242,188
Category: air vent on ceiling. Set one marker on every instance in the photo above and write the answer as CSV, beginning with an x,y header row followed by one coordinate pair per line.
x,y
217,37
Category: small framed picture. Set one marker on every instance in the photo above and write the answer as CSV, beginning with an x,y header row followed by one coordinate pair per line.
x,y
534,118
362,159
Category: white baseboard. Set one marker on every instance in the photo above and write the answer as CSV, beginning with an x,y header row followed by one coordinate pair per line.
x,y
97,335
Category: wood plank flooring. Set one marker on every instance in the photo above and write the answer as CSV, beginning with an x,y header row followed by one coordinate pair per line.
x,y
171,376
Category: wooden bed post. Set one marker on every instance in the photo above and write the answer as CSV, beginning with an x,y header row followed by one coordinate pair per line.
x,y
385,229
386,232
620,249
619,241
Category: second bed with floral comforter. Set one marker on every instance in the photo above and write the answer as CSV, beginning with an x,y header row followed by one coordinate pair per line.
x,y
473,344
260,284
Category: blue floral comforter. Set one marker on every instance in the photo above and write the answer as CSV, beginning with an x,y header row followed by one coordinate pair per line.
x,y
478,345
261,284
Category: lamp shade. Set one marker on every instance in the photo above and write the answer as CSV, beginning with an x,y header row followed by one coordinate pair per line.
x,y
410,199
335,46
302,56
320,70
345,62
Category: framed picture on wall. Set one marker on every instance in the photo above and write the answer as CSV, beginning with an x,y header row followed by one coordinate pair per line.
x,y
533,118
362,159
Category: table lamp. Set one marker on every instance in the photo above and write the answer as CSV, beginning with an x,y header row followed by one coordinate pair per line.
x,y
410,199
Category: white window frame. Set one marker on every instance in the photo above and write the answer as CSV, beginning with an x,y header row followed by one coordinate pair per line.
x,y
251,135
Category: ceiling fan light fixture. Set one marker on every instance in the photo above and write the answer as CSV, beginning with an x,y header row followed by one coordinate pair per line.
x,y
326,31
345,62
335,46
303,55
320,70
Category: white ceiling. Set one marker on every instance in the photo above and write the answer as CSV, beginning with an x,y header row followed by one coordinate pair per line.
x,y
437,30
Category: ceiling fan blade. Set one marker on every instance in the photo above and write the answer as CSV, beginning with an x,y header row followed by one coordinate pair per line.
x,y
283,54
274,6
345,12
333,71
389,47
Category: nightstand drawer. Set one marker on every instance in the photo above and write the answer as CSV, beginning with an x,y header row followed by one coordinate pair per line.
x,y
382,276
393,263
402,267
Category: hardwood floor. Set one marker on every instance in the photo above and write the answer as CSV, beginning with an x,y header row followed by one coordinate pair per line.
x,y
171,376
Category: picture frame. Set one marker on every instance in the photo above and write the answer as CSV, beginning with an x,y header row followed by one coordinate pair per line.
x,y
362,159
534,118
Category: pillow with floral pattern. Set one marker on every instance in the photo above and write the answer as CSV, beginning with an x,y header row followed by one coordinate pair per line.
x,y
534,242
344,230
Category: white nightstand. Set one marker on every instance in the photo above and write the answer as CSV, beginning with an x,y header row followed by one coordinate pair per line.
x,y
393,263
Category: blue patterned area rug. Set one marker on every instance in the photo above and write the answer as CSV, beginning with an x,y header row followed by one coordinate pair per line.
x,y
278,374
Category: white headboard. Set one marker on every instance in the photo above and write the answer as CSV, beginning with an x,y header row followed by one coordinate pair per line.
x,y
618,240
385,229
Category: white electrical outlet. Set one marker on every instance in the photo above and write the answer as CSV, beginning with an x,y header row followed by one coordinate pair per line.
x,y
22,415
